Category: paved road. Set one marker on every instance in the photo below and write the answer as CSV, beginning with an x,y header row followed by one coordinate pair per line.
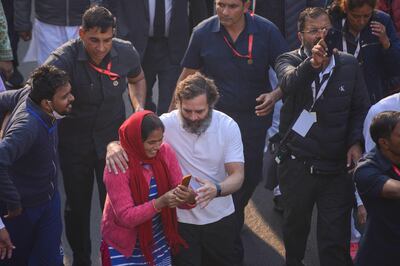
x,y
262,234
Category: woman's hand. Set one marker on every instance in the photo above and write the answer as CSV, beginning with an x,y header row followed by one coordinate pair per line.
x,y
169,199
186,194
379,30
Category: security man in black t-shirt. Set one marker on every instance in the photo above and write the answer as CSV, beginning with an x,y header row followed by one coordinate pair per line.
x,y
101,68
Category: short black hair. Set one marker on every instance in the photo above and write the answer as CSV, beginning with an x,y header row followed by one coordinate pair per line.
x,y
98,17
45,80
383,125
150,123
310,12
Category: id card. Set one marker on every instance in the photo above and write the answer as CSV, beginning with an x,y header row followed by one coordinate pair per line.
x,y
304,122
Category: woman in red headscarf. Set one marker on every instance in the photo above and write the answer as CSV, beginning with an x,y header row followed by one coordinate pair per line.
x,y
139,224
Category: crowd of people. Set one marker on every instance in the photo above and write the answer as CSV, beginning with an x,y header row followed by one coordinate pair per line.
x,y
175,176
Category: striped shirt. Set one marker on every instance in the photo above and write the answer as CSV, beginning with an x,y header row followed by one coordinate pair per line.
x,y
161,250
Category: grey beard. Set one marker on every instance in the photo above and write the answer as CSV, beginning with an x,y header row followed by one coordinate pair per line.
x,y
197,127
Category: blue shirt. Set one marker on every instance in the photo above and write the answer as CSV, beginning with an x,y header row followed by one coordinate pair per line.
x,y
28,152
380,244
239,83
161,251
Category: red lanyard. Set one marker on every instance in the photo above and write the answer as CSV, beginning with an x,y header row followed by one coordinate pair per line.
x,y
111,75
249,56
396,170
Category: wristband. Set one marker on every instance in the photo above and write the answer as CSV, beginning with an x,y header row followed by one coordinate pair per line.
x,y
154,206
218,187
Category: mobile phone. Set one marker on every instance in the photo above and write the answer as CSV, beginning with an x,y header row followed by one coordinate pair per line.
x,y
186,180
331,39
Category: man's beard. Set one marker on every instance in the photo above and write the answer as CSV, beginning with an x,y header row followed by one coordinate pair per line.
x,y
196,127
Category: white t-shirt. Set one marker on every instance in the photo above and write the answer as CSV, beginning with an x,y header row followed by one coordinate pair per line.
x,y
390,103
205,156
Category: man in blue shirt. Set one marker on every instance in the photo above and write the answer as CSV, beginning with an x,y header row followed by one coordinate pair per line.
x,y
236,49
29,197
378,182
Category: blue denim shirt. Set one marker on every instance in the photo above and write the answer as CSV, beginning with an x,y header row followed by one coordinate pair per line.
x,y
28,152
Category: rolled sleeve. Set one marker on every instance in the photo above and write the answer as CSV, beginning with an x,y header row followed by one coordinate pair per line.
x,y
192,58
134,59
370,181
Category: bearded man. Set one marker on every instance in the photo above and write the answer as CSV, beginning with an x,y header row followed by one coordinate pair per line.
x,y
208,145
325,103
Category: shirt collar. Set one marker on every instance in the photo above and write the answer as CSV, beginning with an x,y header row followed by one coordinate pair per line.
x,y
250,26
377,156
329,68
44,118
83,56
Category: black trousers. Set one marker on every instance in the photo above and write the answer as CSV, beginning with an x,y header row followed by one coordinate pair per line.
x,y
334,197
157,64
79,170
209,244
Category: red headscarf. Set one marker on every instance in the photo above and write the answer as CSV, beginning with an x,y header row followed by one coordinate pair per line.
x,y
130,135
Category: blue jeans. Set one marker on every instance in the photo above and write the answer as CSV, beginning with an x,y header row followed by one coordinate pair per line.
x,y
36,234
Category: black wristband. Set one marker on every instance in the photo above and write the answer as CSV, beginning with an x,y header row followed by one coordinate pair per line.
x,y
218,187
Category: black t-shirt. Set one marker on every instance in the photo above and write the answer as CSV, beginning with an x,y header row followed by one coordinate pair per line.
x,y
380,244
98,109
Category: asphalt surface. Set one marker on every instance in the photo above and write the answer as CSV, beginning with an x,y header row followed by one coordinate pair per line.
x,y
262,235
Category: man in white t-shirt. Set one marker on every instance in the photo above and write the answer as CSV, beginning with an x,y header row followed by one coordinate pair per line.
x,y
390,103
208,145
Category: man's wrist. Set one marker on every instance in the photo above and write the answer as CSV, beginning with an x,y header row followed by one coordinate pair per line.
x,y
218,187
314,64
386,44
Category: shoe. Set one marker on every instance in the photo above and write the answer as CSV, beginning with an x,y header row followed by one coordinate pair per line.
x,y
353,250
278,204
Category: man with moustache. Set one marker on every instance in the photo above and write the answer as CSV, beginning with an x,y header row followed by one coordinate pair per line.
x,y
209,147
236,50
101,69
29,197
378,181
325,103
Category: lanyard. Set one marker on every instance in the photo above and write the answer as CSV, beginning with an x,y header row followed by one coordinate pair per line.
x,y
396,170
249,55
322,88
107,72
344,43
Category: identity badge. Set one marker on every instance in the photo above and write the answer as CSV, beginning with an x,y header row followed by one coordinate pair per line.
x,y
304,122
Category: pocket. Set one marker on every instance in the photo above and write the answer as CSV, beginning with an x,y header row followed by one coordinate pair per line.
x,y
84,93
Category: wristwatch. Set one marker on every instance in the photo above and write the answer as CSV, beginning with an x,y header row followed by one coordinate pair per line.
x,y
218,187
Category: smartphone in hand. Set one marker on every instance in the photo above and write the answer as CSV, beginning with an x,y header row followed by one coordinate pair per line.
x,y
331,39
186,180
